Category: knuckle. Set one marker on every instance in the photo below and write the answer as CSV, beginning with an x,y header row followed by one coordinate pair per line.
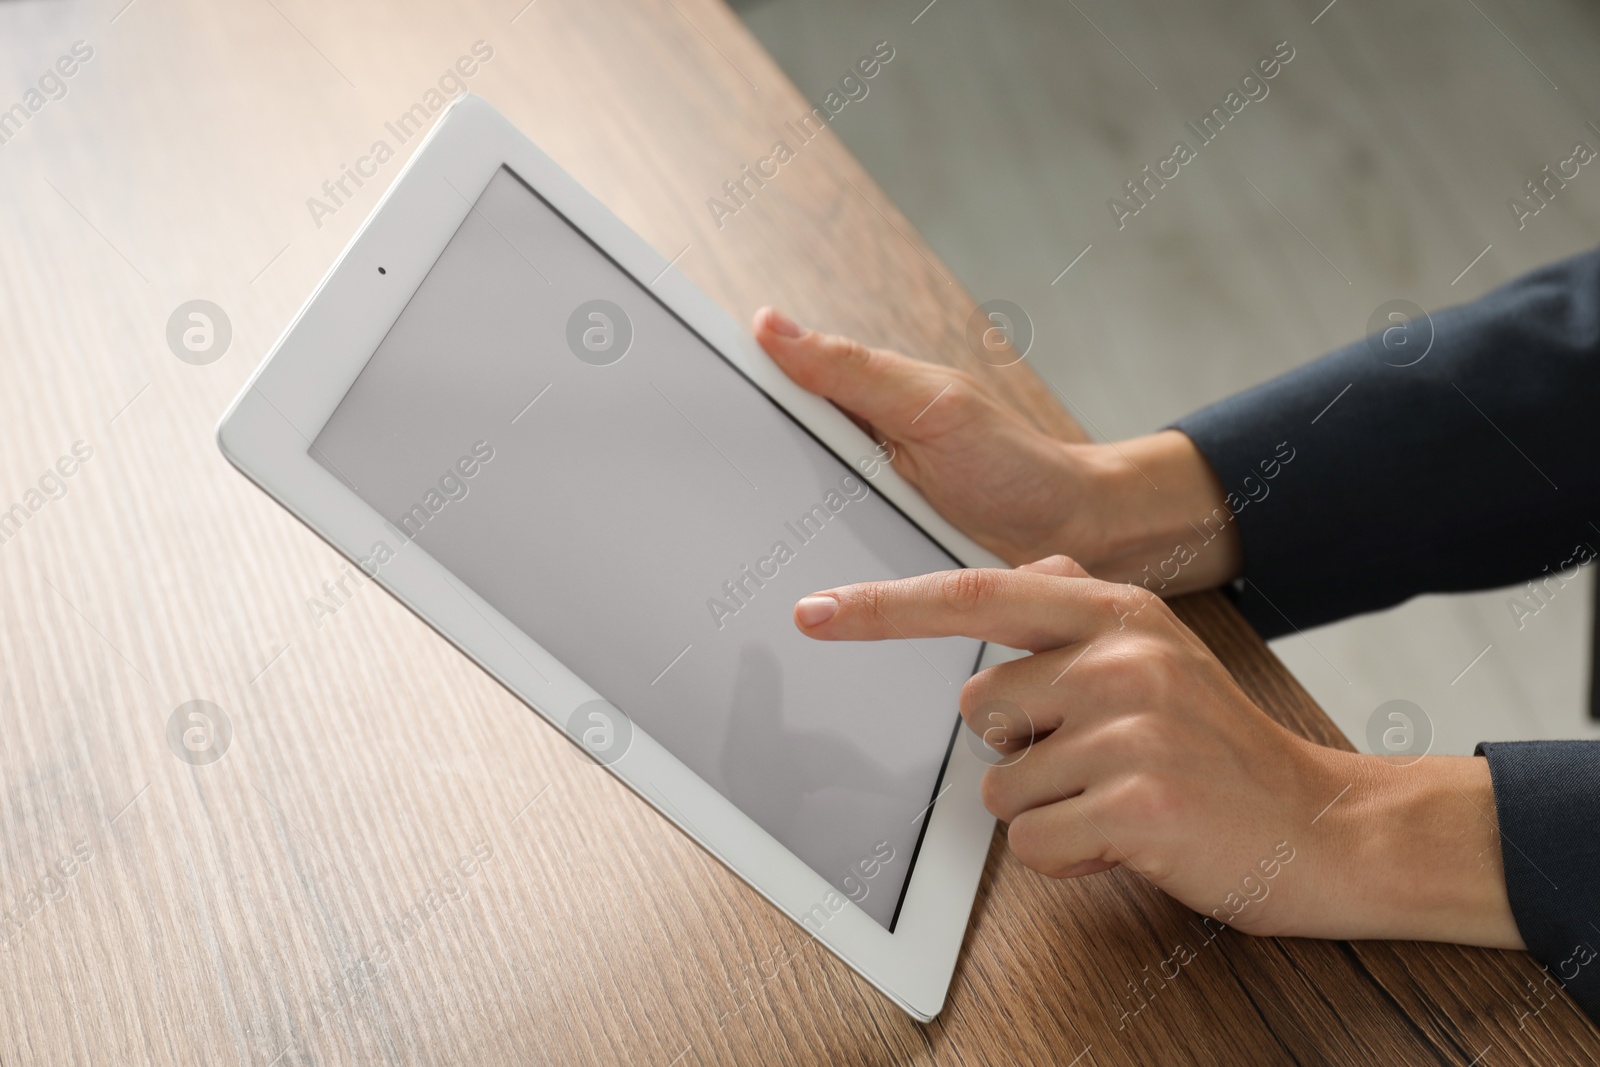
x,y
1127,603
991,695
1109,600
851,353
1104,670
1035,844
966,589
995,793
964,388
1151,800
1028,840
847,359
1138,741
963,396
945,400
978,691
1167,667
1135,670
1063,563
869,598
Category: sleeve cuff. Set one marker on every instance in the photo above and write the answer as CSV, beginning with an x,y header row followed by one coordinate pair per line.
x,y
1547,799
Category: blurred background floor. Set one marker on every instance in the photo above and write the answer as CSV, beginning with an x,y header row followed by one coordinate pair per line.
x,y
1381,162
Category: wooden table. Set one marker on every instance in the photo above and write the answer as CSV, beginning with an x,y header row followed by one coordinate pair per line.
x,y
394,860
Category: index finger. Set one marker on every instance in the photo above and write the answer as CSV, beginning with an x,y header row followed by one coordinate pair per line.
x,y
1018,609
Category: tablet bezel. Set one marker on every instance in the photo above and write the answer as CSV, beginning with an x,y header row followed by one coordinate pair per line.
x,y
267,434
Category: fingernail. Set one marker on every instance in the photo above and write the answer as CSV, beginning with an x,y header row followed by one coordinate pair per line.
x,y
782,325
815,610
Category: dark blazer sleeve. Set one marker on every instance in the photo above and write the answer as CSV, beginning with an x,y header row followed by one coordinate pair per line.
x,y
1459,451
1475,466
1545,798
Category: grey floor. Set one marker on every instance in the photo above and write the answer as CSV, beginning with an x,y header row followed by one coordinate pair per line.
x,y
1377,167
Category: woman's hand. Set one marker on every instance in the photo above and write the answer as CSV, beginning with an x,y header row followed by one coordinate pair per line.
x,y
1124,741
1017,491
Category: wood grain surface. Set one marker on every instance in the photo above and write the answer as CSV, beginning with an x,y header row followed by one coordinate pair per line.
x,y
394,860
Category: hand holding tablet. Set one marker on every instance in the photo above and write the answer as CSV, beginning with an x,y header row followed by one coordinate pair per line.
x,y
1012,488
1021,493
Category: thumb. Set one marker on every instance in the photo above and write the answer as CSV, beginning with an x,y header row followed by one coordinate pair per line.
x,y
883,388
1058,566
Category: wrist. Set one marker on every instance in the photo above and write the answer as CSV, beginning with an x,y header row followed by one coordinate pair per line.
x,y
1160,514
1407,852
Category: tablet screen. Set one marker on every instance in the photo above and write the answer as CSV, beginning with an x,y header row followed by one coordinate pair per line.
x,y
565,446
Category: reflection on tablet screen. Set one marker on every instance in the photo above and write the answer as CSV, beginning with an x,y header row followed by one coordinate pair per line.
x,y
543,427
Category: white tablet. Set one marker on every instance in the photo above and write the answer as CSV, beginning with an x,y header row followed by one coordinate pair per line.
x,y
566,459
